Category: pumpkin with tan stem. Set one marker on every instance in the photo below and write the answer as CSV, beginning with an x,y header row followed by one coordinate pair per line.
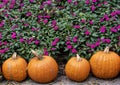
x,y
105,64
42,69
14,68
77,68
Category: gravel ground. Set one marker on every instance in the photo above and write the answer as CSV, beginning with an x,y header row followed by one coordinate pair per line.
x,y
63,80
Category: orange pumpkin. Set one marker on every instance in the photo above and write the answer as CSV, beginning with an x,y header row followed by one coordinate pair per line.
x,y
77,68
42,69
105,64
14,68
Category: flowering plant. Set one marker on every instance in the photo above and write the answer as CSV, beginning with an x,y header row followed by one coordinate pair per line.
x,y
59,26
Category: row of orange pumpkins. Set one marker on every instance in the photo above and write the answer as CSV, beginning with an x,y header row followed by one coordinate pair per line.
x,y
43,69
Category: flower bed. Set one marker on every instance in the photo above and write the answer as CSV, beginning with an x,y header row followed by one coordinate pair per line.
x,y
59,26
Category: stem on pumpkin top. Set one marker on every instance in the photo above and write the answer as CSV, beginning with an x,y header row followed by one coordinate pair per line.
x,y
106,50
36,54
14,56
78,58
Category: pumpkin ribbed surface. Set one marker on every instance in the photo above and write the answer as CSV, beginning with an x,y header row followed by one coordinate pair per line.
x,y
77,70
15,69
105,65
42,70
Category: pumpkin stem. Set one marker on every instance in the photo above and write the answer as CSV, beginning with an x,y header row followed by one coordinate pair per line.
x,y
36,54
78,58
106,50
14,56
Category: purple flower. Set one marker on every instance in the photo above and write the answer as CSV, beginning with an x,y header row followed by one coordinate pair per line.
x,y
107,40
6,49
31,39
5,42
99,5
6,15
47,2
68,42
113,13
53,49
56,39
93,8
45,52
39,21
106,17
92,46
87,2
75,2
39,16
2,51
117,12
1,43
21,4
103,29
22,40
76,26
56,28
75,39
54,43
69,1
91,22
101,19
54,23
42,6
74,50
69,47
31,1
1,5
28,14
33,29
2,23
26,24
47,16
45,21
36,42
105,2
94,1
97,43
118,27
83,21
113,29
13,2
11,6
13,35
14,26
87,32
5,1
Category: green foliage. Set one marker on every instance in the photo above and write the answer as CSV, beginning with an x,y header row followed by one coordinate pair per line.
x,y
59,27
